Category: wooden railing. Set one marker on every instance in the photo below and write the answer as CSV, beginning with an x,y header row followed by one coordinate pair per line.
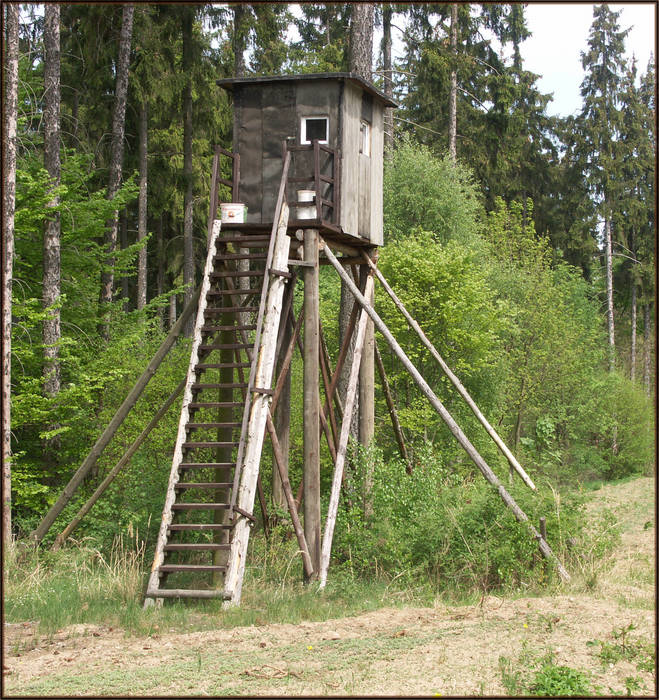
x,y
315,179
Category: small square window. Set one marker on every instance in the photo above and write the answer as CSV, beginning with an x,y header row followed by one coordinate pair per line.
x,y
314,129
365,138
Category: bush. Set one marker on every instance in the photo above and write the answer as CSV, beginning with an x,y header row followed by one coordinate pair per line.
x,y
448,529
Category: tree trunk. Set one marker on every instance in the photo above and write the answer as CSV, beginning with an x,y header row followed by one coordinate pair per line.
x,y
51,239
632,359
239,39
123,244
361,40
609,291
160,278
387,13
646,347
9,205
172,310
359,61
188,243
141,207
453,95
116,158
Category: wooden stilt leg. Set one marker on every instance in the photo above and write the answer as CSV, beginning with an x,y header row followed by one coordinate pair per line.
x,y
311,401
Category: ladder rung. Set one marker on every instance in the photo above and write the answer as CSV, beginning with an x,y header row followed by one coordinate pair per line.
x,y
245,239
194,445
221,365
185,593
167,568
231,424
221,274
203,484
215,404
241,256
231,309
199,527
226,346
216,329
233,292
233,385
210,547
200,506
206,465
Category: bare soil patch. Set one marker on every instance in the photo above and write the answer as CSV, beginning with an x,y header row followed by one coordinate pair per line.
x,y
447,650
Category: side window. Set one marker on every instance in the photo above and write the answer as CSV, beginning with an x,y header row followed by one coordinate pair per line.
x,y
314,128
365,138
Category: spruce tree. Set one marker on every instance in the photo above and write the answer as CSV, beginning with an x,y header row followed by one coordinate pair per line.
x,y
604,65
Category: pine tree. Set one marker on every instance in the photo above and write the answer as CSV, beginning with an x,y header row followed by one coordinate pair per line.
x,y
601,117
117,152
52,228
9,140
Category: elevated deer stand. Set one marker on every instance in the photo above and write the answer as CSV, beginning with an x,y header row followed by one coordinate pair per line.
x,y
318,134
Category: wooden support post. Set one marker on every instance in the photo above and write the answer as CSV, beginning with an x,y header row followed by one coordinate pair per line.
x,y
454,380
311,400
398,431
115,423
324,367
367,399
367,379
489,475
282,414
62,537
351,393
292,506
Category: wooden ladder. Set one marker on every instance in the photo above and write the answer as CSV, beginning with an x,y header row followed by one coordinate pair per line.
x,y
202,542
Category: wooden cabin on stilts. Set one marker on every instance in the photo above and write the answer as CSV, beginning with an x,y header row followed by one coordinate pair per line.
x,y
306,190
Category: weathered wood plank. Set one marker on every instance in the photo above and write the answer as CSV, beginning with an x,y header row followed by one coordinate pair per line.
x,y
311,400
263,370
351,394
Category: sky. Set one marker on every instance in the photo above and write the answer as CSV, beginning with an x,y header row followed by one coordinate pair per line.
x,y
559,33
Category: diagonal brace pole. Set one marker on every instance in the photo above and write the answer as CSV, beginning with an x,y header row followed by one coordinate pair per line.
x,y
489,475
452,377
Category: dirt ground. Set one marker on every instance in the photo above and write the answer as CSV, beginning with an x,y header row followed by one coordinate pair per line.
x,y
442,650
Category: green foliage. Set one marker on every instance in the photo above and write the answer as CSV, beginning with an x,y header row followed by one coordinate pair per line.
x,y
423,192
539,675
448,529
625,647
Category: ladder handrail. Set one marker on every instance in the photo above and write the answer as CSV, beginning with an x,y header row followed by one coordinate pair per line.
x,y
181,434
257,334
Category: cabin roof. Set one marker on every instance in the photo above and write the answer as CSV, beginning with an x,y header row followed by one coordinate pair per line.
x,y
229,83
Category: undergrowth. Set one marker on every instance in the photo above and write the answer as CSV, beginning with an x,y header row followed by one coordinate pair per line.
x,y
439,533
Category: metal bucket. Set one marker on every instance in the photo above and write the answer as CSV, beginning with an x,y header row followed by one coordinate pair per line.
x,y
310,211
233,212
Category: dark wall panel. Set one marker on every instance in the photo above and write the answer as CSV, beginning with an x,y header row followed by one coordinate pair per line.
x,y
250,149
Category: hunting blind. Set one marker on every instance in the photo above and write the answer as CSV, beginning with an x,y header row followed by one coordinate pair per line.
x,y
314,144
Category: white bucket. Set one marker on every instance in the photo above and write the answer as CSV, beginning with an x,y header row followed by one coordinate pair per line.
x,y
233,212
306,212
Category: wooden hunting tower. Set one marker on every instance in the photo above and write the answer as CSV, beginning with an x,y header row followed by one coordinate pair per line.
x,y
345,115
311,144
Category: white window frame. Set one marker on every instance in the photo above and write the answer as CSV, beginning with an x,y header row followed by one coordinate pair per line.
x,y
303,128
365,138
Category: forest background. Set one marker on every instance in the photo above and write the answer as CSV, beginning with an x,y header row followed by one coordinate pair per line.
x,y
523,244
